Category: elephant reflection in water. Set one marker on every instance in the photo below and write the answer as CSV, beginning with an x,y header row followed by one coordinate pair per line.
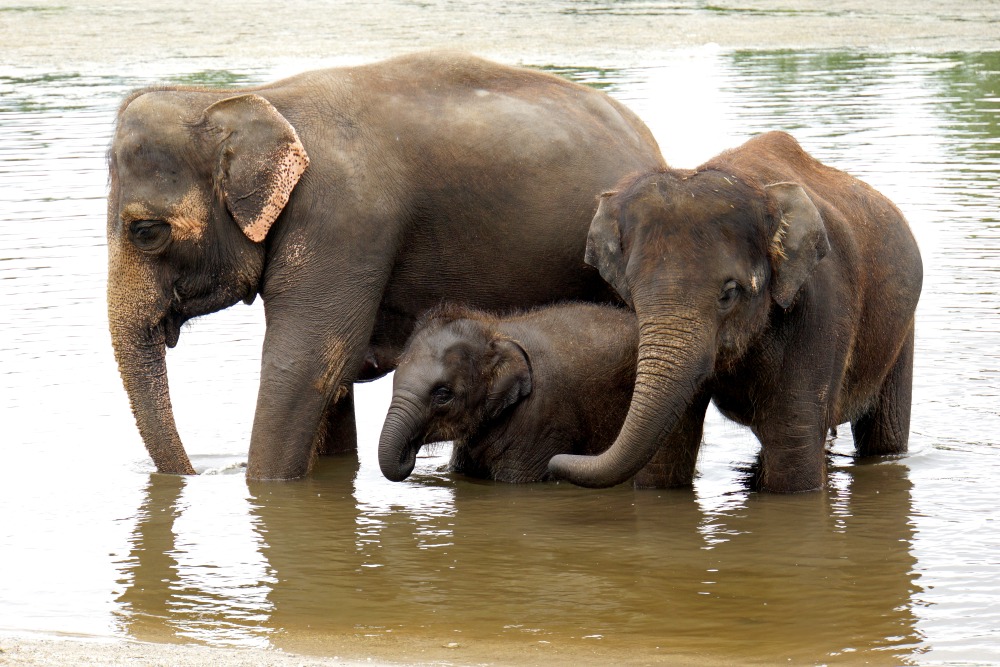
x,y
181,579
747,577
811,577
762,578
311,537
150,572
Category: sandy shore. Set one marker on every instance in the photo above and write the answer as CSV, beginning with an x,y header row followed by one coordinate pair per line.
x,y
105,34
59,652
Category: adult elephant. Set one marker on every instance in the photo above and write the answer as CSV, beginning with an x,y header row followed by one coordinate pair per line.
x,y
351,200
780,288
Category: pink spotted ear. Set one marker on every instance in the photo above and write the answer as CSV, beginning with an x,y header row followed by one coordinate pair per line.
x,y
262,159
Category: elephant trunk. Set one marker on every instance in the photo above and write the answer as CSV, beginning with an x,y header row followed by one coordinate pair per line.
x,y
673,360
141,357
400,439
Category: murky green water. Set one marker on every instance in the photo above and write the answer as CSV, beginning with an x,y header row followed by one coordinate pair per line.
x,y
895,563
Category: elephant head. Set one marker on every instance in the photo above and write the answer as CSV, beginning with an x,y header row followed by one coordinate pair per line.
x,y
703,257
455,376
195,184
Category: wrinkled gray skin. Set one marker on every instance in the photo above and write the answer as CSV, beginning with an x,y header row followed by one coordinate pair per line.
x,y
351,200
511,392
780,288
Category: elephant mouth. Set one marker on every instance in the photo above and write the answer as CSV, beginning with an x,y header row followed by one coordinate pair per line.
x,y
185,306
171,333
171,326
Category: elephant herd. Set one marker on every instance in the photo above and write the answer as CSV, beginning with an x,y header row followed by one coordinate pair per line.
x,y
553,297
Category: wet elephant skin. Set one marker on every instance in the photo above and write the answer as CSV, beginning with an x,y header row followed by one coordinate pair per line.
x,y
352,200
510,392
780,288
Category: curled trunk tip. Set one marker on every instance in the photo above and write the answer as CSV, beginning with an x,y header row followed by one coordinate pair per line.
x,y
587,471
398,469
398,444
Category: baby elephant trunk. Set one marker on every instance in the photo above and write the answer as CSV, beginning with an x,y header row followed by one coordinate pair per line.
x,y
400,440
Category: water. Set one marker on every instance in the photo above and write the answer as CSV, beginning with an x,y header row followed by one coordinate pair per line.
x,y
896,562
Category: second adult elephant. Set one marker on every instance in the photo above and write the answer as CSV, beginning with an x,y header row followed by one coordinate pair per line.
x,y
781,289
351,200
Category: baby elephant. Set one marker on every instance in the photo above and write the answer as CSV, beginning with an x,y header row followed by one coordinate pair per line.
x,y
510,392
779,288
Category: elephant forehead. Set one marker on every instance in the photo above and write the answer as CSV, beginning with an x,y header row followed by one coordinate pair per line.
x,y
442,350
702,217
152,174
155,143
457,355
154,161
162,110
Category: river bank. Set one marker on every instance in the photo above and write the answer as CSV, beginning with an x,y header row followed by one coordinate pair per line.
x,y
25,651
99,33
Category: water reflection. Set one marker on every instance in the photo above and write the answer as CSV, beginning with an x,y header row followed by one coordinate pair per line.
x,y
545,570
151,564
194,570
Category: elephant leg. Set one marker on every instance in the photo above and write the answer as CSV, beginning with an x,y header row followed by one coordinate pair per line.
x,y
885,428
339,433
304,366
793,444
673,464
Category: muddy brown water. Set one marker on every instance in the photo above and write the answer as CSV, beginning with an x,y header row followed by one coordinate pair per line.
x,y
895,562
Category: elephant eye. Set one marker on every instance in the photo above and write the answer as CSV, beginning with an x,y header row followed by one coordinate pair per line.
x,y
442,395
730,294
149,235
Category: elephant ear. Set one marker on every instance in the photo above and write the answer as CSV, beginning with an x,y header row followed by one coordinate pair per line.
x,y
510,376
261,161
798,245
604,247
